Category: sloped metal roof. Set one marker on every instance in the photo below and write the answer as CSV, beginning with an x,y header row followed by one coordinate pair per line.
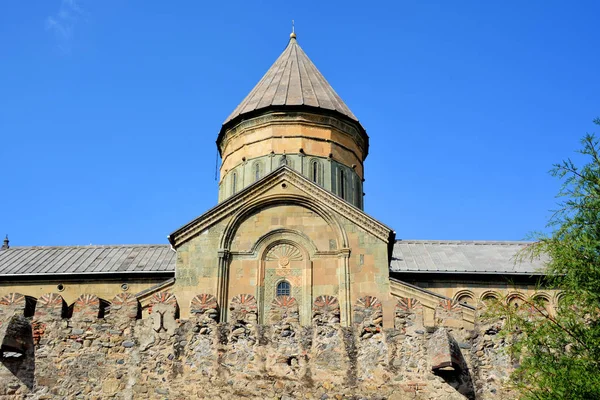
x,y
469,257
293,80
87,259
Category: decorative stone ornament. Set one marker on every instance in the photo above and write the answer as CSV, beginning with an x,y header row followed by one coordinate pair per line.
x,y
204,308
284,254
243,308
368,316
326,310
50,307
86,307
244,316
124,306
163,311
284,309
448,313
408,314
13,304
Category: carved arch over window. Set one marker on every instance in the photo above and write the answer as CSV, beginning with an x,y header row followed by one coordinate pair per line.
x,y
315,171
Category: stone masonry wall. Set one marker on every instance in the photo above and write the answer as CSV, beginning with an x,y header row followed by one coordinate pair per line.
x,y
91,350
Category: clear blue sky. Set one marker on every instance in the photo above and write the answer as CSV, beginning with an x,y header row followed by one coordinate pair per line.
x,y
109,110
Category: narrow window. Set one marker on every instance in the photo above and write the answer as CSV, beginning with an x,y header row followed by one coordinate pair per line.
x,y
342,184
256,171
233,183
316,172
358,191
284,288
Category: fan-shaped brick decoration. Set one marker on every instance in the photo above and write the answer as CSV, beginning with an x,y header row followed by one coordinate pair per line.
x,y
124,305
13,303
449,305
164,298
326,310
408,304
87,306
204,306
13,300
408,313
368,315
448,313
243,308
50,306
284,309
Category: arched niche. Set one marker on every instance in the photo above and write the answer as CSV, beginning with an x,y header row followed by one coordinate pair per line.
x,y
285,256
465,297
246,240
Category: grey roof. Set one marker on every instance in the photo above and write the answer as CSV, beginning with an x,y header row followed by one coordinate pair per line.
x,y
470,257
293,80
87,259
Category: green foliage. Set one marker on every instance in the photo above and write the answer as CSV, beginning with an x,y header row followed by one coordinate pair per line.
x,y
558,353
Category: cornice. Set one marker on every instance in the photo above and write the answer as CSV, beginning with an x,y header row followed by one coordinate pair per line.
x,y
427,298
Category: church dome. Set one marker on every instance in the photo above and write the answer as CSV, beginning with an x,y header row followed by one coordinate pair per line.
x,y
292,83
293,117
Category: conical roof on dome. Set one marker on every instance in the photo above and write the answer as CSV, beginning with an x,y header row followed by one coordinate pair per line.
x,y
293,80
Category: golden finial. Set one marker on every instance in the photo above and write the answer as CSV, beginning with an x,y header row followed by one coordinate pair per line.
x,y
293,34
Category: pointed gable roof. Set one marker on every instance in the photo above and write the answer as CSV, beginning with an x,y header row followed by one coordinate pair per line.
x,y
293,80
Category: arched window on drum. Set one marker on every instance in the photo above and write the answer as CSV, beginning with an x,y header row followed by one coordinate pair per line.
x,y
316,172
256,170
284,288
234,183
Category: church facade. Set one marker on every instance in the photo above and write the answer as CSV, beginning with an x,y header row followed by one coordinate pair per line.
x,y
289,222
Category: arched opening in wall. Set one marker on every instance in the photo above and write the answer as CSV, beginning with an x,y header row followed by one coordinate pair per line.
x,y
30,303
559,300
515,300
316,172
489,298
283,289
256,171
233,183
465,298
542,302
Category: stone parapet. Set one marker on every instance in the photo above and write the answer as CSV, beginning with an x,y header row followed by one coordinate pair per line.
x,y
104,350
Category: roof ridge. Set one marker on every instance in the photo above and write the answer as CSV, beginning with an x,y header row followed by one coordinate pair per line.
x,y
477,242
85,246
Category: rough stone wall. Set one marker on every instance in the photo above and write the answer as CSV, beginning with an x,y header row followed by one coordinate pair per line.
x,y
93,351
